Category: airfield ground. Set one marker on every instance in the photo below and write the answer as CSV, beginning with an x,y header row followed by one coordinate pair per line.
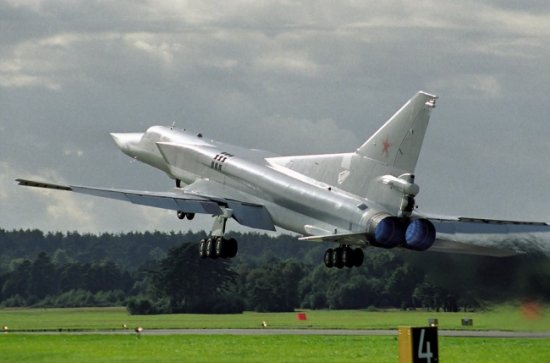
x,y
126,345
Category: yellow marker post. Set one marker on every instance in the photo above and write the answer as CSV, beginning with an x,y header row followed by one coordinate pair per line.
x,y
418,345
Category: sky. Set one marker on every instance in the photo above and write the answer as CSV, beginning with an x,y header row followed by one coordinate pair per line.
x,y
292,77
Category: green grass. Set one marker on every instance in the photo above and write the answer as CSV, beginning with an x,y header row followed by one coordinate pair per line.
x,y
16,347
501,318
129,348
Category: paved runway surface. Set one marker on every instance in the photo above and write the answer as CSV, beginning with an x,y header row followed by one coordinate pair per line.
x,y
449,333
389,332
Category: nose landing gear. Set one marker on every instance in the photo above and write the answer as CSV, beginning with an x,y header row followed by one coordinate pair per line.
x,y
183,215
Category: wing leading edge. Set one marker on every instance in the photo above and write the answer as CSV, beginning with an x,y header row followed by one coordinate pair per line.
x,y
247,214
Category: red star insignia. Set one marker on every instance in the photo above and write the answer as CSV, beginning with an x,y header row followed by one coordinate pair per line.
x,y
387,146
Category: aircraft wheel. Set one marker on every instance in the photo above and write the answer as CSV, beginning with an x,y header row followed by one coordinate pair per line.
x,y
337,258
358,257
202,249
231,247
190,216
221,247
328,258
211,248
348,256
181,214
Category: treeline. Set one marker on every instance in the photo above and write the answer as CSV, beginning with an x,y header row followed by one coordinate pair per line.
x,y
44,283
161,273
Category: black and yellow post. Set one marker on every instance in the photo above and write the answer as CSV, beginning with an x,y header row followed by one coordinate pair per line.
x,y
418,345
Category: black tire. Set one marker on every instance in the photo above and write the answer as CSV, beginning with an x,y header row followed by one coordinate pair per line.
x,y
211,248
348,257
220,246
190,216
180,214
202,249
328,258
337,258
358,257
231,247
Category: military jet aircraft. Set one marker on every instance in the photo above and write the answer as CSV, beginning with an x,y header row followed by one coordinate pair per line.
x,y
356,199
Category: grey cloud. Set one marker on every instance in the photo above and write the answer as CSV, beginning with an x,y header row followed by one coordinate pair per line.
x,y
71,72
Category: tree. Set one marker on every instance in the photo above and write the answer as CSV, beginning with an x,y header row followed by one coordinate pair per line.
x,y
43,277
17,281
274,286
192,284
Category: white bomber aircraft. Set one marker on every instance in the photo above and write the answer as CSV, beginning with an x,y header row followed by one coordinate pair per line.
x,y
357,199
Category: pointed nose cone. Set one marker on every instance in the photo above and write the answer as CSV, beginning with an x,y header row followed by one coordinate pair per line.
x,y
127,142
118,139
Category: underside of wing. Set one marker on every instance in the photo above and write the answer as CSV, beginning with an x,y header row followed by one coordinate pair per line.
x,y
248,214
487,237
466,225
473,236
447,246
353,239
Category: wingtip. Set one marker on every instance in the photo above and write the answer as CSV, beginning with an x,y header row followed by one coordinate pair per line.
x,y
429,94
37,184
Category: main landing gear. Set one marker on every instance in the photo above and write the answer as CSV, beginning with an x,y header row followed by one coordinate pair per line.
x,y
218,247
344,256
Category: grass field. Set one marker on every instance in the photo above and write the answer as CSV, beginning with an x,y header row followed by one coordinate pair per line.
x,y
17,347
501,318
185,348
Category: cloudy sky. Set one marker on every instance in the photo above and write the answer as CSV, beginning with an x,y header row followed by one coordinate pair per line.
x,y
290,77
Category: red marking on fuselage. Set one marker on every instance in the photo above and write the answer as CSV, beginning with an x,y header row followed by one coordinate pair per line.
x,y
387,146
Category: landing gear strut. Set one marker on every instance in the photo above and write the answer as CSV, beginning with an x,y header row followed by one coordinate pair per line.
x,y
344,256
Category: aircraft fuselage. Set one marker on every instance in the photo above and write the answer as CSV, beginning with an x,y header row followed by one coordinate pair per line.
x,y
302,205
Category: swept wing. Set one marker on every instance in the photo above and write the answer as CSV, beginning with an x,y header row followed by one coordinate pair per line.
x,y
248,214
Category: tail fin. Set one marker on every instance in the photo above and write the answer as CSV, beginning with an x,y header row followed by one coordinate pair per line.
x,y
392,151
397,144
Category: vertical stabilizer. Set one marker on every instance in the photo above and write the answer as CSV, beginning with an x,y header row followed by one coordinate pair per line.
x,y
397,144
382,168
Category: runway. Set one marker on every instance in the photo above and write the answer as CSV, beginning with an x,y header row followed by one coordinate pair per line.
x,y
342,332
389,332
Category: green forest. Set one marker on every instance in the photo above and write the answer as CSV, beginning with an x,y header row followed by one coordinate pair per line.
x,y
162,273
